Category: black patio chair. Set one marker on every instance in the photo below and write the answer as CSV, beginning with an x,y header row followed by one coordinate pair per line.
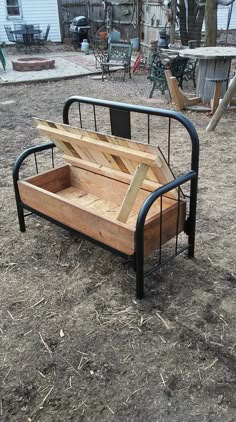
x,y
42,39
16,39
157,75
18,26
9,33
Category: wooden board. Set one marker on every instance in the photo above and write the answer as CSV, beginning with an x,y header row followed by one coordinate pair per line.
x,y
109,151
132,192
92,213
139,160
148,185
114,234
209,53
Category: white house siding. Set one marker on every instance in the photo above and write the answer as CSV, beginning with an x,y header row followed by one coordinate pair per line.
x,y
42,12
222,17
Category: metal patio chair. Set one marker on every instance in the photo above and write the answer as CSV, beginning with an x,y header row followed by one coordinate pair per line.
x,y
16,39
42,39
157,75
119,55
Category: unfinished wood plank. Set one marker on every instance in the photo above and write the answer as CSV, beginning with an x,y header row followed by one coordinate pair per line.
x,y
113,161
52,180
82,152
174,90
132,192
130,166
150,174
77,139
148,185
62,146
216,96
158,171
98,157
114,234
105,188
198,108
109,209
176,93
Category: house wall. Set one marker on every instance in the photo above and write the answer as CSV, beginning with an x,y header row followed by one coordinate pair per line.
x,y
41,12
222,17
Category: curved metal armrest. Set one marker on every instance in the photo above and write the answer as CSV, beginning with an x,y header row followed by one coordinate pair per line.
x,y
25,154
159,192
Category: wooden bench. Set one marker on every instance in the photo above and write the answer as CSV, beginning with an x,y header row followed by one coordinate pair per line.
x,y
115,191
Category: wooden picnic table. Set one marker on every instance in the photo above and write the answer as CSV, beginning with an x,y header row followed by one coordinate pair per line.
x,y
214,64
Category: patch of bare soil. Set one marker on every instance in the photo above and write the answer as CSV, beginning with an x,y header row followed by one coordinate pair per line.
x,y
75,343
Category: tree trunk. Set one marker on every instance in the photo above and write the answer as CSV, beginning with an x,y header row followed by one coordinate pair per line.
x,y
190,21
211,23
182,23
198,25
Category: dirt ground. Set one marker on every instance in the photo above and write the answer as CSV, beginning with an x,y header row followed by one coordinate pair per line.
x,y
75,343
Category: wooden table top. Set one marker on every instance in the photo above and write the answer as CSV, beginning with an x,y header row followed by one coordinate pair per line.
x,y
209,53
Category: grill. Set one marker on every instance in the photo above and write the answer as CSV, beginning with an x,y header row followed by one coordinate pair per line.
x,y
79,29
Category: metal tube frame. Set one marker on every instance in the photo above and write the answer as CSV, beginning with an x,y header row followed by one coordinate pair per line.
x,y
16,170
191,177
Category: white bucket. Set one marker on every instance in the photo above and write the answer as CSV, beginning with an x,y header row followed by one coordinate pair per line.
x,y
85,46
135,43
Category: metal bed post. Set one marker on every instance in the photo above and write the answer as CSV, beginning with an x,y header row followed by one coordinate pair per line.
x,y
16,170
139,243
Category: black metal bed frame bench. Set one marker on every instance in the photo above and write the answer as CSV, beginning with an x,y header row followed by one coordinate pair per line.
x,y
120,122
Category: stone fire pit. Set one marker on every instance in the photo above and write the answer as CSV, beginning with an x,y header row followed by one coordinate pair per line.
x,y
26,64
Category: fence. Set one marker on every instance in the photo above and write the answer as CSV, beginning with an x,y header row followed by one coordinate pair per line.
x,y
124,16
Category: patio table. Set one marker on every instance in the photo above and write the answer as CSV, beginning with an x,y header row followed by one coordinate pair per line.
x,y
214,64
28,32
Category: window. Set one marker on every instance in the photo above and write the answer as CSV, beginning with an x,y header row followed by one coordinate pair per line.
x,y
13,8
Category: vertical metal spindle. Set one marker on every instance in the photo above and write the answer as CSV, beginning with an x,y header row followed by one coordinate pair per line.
x,y
168,153
80,116
160,230
36,163
95,120
177,223
148,128
53,162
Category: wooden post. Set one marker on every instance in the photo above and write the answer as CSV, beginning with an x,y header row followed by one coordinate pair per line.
x,y
222,106
132,192
62,28
211,23
216,96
